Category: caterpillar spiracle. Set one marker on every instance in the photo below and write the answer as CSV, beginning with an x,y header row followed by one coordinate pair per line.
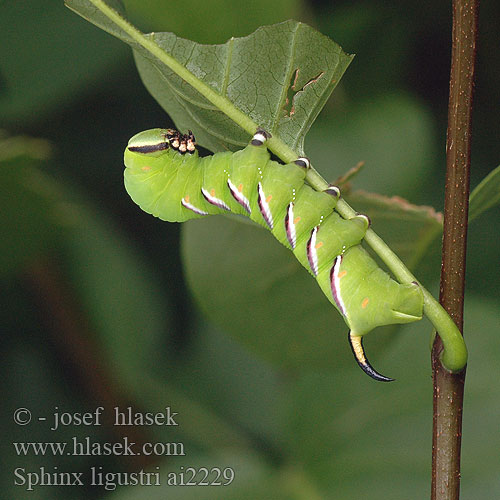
x,y
174,186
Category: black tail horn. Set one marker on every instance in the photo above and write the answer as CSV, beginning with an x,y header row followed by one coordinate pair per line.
x,y
356,343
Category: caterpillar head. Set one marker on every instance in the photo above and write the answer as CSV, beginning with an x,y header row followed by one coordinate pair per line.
x,y
154,141
154,159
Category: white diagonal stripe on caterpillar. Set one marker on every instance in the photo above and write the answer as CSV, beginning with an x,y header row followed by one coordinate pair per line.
x,y
335,276
312,253
239,196
290,226
185,203
213,200
265,210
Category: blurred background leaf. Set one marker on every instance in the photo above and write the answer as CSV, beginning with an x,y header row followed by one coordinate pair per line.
x,y
486,195
48,59
95,306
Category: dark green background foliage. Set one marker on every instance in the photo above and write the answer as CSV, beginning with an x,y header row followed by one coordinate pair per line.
x,y
102,305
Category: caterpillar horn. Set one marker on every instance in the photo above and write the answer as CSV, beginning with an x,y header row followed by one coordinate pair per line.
x,y
356,343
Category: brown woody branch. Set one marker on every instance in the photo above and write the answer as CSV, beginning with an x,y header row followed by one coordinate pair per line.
x,y
449,388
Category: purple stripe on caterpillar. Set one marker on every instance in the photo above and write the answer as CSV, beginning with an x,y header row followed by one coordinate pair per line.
x,y
237,194
335,275
312,253
185,203
264,206
210,197
290,226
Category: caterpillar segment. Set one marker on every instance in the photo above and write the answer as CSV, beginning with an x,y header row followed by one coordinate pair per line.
x,y
167,179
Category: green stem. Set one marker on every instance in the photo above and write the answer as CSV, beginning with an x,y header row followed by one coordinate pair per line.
x,y
455,353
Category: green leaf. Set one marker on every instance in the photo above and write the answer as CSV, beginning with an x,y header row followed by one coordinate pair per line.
x,y
279,77
252,287
259,73
486,195
242,388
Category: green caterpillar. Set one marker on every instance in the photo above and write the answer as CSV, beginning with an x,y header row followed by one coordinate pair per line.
x,y
174,186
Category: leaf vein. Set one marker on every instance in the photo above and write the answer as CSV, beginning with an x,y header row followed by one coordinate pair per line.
x,y
288,76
